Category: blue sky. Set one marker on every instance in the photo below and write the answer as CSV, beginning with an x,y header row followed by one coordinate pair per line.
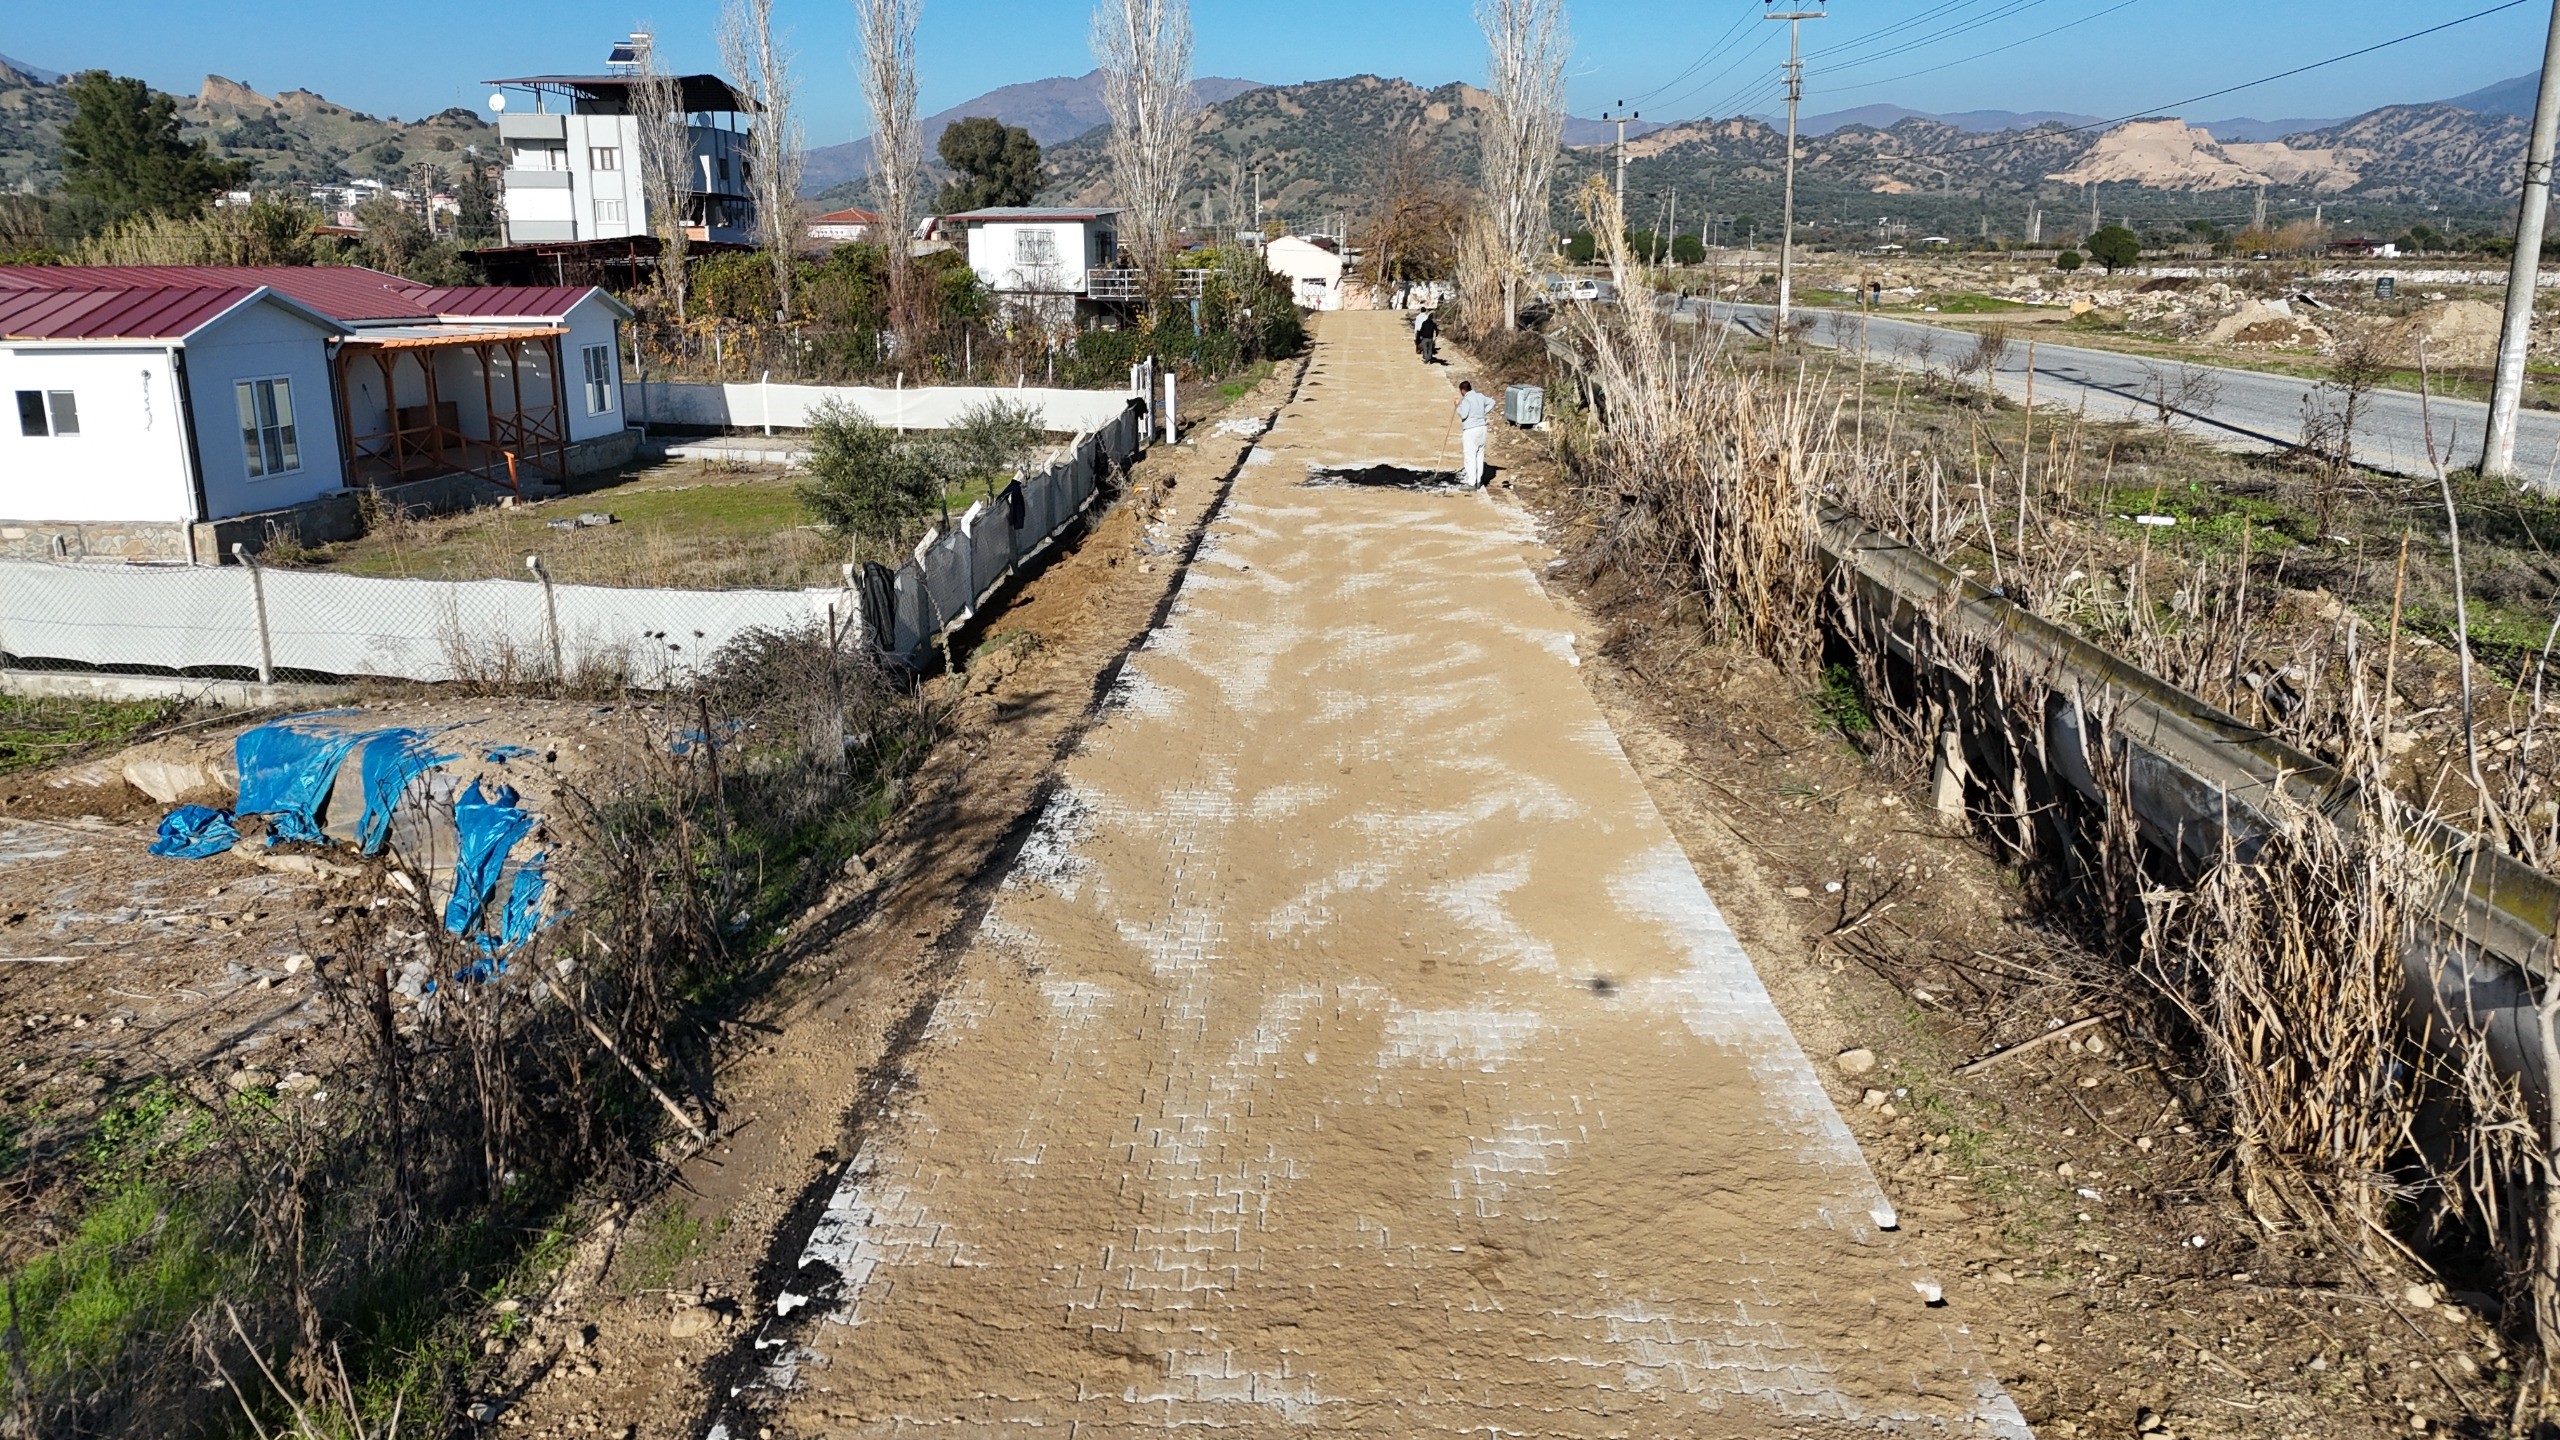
x,y
405,60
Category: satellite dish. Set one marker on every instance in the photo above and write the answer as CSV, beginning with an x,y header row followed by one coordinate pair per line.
x,y
498,103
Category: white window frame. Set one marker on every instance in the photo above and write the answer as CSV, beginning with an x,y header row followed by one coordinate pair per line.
x,y
254,435
604,157
612,212
54,408
599,378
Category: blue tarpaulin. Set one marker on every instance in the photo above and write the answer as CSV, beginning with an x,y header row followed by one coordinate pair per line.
x,y
485,828
193,832
287,769
524,918
392,758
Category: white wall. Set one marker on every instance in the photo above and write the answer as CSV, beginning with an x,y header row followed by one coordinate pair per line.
x,y
127,463
937,407
995,252
261,341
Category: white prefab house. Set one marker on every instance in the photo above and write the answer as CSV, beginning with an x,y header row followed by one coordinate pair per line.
x,y
572,145
1313,271
157,412
161,407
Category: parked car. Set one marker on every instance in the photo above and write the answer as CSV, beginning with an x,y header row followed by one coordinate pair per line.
x,y
1571,287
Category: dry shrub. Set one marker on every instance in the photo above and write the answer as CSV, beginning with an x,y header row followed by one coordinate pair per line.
x,y
1709,475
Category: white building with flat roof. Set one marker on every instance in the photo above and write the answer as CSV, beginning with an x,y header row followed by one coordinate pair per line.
x,y
571,148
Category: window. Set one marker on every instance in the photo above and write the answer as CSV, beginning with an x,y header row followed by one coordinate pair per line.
x,y
604,157
609,212
1035,249
266,426
48,412
599,360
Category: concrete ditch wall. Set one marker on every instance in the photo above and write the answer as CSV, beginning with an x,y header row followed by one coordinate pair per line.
x,y
2194,776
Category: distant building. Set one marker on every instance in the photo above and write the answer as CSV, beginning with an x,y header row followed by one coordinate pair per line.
x,y
1049,264
843,227
162,411
1312,267
573,160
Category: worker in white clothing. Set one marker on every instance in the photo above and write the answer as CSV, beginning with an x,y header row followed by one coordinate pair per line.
x,y
1475,418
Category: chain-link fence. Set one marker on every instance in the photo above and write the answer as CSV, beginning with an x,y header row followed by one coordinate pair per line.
x,y
259,620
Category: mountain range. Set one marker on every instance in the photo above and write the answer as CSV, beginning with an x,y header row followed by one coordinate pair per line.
x,y
1059,108
294,138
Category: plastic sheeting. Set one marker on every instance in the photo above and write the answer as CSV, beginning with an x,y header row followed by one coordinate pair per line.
x,y
287,769
524,916
392,759
485,828
195,832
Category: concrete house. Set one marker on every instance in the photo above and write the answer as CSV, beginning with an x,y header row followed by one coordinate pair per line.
x,y
164,412
1043,261
572,148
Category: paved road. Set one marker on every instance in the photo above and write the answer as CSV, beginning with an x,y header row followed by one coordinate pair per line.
x,y
2253,410
1354,1050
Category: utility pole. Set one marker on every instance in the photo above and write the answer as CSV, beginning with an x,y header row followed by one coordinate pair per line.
x,y
1621,118
2506,392
1795,92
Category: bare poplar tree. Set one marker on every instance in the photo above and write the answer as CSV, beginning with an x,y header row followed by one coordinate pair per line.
x,y
1525,76
887,29
758,61
1144,48
666,162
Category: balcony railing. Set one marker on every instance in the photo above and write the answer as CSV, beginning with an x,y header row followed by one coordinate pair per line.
x,y
1188,284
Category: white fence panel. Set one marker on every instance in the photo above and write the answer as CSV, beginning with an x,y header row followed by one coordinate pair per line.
x,y
657,634
402,629
175,617
926,407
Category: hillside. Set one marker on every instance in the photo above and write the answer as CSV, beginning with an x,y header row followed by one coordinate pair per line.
x,y
292,139
1323,147
1056,109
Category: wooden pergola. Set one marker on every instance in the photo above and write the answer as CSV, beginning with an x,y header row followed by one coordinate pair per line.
x,y
421,441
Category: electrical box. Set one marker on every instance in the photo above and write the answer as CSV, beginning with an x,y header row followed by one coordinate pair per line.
x,y
1524,405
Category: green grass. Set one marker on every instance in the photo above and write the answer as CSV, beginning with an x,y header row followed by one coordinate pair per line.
x,y
660,1242
36,732
2210,520
1242,384
1967,303
1841,704
139,1263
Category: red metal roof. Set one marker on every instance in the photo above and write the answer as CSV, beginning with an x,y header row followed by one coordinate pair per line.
x,y
344,292
135,313
845,217
158,301
548,300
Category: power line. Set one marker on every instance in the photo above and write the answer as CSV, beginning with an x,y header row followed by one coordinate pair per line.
x,y
1932,38
1986,54
2043,132
1718,78
1721,43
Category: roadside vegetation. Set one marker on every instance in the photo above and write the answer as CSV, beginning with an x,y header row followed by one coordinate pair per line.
x,y
2398,632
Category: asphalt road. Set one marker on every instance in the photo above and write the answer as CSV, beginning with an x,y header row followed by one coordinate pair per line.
x,y
2245,409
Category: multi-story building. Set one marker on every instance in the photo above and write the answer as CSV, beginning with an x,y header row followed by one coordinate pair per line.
x,y
572,155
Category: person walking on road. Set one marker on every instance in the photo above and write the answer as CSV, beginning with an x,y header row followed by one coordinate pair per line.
x,y
1475,419
1426,338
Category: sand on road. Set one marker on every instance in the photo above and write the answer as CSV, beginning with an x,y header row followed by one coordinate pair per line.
x,y
1353,1048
